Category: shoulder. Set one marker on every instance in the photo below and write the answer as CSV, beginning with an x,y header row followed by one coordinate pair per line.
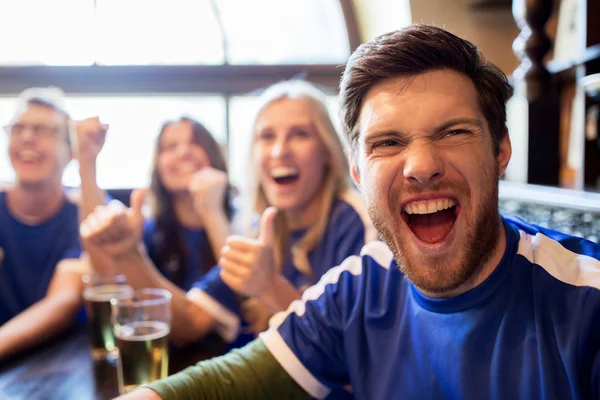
x,y
348,213
149,225
559,241
569,259
70,208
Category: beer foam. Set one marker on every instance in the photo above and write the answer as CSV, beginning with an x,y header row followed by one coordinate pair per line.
x,y
143,330
107,292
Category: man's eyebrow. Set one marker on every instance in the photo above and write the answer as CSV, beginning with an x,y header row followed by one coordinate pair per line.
x,y
377,133
460,121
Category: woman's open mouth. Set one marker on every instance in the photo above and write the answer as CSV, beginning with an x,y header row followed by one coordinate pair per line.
x,y
284,176
431,220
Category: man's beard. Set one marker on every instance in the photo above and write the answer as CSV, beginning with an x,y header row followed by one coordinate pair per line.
x,y
438,275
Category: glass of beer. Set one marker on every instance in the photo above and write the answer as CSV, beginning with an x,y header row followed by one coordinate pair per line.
x,y
97,294
142,325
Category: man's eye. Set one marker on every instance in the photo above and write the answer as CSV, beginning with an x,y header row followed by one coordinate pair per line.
x,y
455,132
386,143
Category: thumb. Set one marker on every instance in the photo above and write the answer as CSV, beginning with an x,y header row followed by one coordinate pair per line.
x,y
267,226
137,202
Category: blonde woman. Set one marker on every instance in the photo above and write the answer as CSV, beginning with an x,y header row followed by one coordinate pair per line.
x,y
310,221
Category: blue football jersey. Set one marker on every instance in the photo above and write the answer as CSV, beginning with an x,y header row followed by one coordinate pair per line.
x,y
346,233
531,330
30,253
196,245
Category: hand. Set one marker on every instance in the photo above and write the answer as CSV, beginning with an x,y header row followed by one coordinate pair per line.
x,y
90,136
114,229
247,264
207,188
140,394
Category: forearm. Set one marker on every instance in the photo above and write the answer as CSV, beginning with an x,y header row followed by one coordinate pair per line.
x,y
190,322
282,295
44,319
218,229
247,373
91,194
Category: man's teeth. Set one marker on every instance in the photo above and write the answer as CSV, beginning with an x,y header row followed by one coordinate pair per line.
x,y
28,155
429,206
283,172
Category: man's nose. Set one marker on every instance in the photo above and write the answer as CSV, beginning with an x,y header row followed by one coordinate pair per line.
x,y
27,134
423,165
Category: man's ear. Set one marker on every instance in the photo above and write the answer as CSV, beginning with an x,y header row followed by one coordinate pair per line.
x,y
353,169
504,154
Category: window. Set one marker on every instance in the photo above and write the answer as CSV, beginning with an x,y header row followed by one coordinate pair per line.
x,y
125,161
137,32
137,63
290,32
39,32
173,32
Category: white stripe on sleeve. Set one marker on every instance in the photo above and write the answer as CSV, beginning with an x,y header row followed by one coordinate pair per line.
x,y
563,264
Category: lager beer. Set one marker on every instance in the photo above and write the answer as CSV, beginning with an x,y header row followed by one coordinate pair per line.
x,y
143,353
97,301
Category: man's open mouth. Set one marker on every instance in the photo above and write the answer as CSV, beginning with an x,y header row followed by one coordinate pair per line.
x,y
431,220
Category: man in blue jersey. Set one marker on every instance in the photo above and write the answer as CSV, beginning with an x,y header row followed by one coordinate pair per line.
x,y
40,281
459,302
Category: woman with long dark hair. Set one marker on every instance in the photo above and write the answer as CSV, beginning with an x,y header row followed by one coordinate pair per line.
x,y
189,202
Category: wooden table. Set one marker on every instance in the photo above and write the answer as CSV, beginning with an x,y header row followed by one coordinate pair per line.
x,y
63,369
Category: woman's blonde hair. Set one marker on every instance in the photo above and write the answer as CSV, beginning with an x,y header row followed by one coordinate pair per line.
x,y
335,184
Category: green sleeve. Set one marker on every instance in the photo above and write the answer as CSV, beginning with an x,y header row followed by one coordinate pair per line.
x,y
247,373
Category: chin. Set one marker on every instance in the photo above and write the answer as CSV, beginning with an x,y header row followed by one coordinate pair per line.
x,y
31,180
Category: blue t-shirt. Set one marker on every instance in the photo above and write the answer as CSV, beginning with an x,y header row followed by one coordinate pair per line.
x,y
30,253
343,236
531,330
196,245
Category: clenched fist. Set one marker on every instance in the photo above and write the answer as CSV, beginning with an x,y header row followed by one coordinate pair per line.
x,y
207,188
90,135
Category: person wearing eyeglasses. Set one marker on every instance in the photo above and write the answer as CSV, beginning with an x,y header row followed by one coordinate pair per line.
x,y
40,281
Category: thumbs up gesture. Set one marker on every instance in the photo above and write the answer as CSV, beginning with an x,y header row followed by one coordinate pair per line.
x,y
247,264
113,228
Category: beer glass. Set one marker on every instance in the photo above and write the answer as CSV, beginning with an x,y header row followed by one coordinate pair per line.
x,y
98,291
142,325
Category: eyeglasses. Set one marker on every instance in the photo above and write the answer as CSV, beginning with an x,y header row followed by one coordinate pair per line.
x,y
38,130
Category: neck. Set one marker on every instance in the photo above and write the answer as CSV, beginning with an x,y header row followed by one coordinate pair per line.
x,y
35,203
306,216
184,211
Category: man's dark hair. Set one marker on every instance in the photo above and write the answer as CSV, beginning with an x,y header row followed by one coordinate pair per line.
x,y
415,50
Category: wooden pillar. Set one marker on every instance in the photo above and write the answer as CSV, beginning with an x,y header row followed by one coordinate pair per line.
x,y
532,80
